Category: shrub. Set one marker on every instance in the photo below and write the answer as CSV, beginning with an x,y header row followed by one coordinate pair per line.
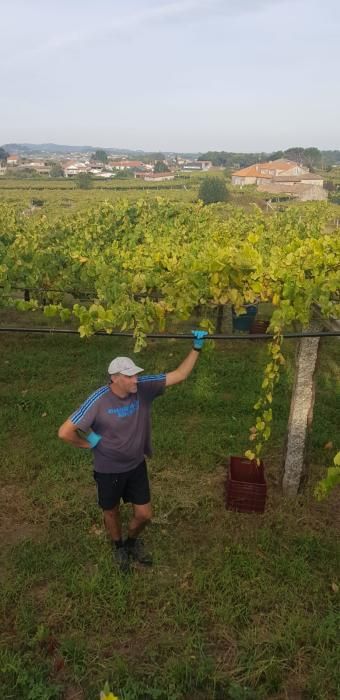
x,y
213,189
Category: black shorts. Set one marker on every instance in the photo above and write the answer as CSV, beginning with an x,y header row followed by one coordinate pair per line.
x,y
132,487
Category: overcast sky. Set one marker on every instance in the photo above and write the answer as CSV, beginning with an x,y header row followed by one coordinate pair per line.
x,y
181,75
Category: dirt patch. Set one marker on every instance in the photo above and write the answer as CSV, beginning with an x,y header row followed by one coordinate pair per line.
x,y
224,647
154,643
293,691
183,494
328,510
40,593
73,693
15,525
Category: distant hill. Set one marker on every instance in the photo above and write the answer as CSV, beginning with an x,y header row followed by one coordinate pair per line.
x,y
61,149
312,157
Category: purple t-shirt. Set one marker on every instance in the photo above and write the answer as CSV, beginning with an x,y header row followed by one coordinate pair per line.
x,y
124,424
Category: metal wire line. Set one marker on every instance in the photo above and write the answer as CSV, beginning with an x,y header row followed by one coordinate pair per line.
x,y
176,336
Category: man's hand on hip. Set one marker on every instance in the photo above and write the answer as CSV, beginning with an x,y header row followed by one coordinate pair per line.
x,y
93,438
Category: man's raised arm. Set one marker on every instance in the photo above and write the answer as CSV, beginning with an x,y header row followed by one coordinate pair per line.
x,y
184,369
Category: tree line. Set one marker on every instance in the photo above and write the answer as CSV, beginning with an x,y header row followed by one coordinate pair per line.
x,y
310,157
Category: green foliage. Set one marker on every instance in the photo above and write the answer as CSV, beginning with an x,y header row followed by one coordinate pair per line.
x,y
150,157
213,189
25,679
56,170
84,181
335,197
331,480
100,156
3,155
27,174
232,160
126,174
145,262
310,157
161,167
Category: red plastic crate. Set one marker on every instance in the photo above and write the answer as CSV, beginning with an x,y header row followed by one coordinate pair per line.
x,y
246,488
259,326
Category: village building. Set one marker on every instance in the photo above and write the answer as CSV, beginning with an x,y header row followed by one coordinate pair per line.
x,y
72,168
255,174
155,177
101,173
39,166
282,177
199,165
127,164
13,159
302,191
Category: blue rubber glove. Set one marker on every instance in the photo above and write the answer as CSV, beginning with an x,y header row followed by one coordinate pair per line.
x,y
93,439
199,339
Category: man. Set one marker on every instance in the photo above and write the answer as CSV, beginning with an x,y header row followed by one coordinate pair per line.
x,y
116,424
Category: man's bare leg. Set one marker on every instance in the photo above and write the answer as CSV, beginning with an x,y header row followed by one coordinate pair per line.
x,y
141,518
112,524
114,530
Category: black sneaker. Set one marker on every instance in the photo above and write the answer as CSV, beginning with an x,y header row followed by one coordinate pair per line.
x,y
137,552
121,557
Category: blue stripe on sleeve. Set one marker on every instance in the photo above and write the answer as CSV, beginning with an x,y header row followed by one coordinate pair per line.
x,y
82,410
151,378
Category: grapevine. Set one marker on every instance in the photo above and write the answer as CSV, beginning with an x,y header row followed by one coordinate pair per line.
x,y
142,263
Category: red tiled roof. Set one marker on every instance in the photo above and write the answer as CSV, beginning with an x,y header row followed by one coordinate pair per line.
x,y
255,170
251,171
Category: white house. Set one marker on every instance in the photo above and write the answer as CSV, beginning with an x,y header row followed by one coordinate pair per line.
x,y
102,173
197,165
126,164
75,168
13,159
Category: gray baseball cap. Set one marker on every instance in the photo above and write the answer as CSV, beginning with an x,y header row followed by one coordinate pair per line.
x,y
123,365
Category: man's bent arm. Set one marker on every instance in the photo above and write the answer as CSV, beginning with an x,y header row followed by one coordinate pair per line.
x,y
184,369
68,433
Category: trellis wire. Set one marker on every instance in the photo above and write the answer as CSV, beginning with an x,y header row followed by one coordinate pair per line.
x,y
173,336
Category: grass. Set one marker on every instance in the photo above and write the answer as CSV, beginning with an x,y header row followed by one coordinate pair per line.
x,y
64,202
61,197
236,606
